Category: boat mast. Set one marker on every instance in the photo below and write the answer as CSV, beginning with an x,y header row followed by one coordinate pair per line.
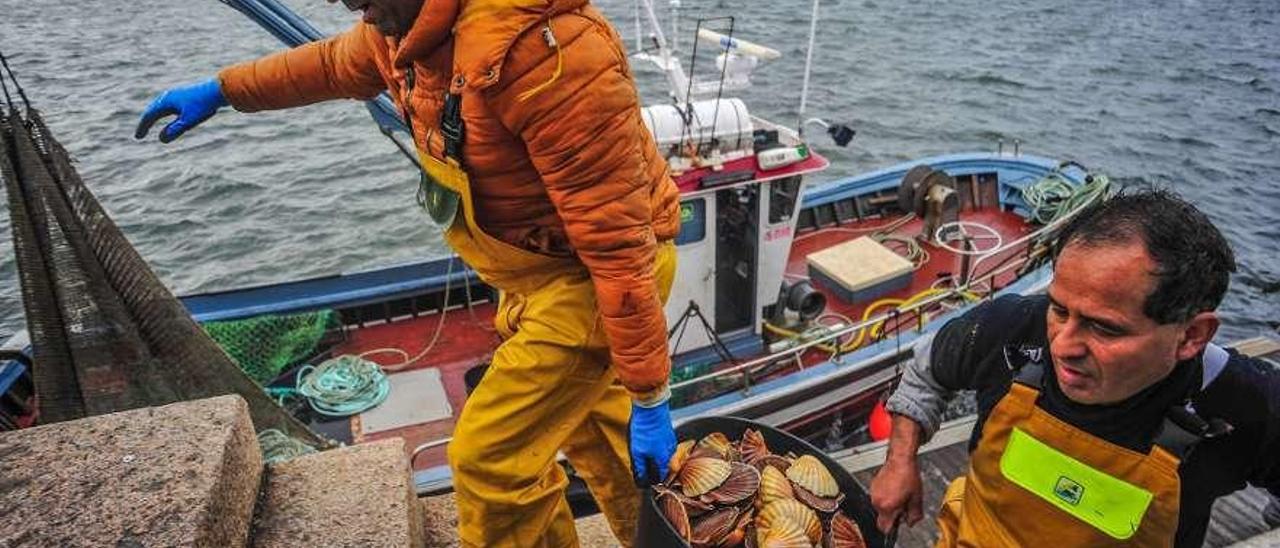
x,y
808,65
675,25
639,36
676,78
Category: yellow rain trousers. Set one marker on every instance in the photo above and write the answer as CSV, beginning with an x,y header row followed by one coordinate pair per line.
x,y
1036,480
549,388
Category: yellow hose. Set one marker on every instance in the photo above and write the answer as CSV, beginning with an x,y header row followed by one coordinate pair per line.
x,y
875,329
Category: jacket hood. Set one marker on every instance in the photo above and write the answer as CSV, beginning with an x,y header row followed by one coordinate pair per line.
x,y
430,29
483,31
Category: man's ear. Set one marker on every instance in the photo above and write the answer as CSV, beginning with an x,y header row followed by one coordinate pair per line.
x,y
1197,333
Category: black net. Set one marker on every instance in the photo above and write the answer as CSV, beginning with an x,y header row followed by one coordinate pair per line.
x,y
106,333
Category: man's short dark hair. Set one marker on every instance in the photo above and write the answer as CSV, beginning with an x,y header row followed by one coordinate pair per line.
x,y
1193,260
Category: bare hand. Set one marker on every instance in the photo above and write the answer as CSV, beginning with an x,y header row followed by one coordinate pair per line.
x,y
897,492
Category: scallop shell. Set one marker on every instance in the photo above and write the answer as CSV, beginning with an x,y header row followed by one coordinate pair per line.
x,y
751,539
776,461
693,506
786,534
809,473
701,475
739,532
822,504
742,483
792,511
752,446
679,458
774,486
714,527
675,513
844,533
714,444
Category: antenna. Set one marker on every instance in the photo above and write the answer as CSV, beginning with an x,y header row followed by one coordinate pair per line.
x,y
840,133
675,25
729,44
808,65
693,59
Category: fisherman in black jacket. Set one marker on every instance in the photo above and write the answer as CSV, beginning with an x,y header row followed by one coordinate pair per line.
x,y
1105,415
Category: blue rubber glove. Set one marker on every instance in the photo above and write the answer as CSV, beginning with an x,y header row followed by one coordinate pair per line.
x,y
653,441
192,104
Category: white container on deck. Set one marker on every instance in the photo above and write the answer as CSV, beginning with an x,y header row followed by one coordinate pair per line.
x,y
729,127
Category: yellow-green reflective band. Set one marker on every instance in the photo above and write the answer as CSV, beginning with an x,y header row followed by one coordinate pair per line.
x,y
1111,505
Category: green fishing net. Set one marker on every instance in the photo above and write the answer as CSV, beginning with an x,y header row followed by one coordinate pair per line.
x,y
264,346
690,394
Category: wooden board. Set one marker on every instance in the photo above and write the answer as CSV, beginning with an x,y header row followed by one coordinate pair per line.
x,y
859,263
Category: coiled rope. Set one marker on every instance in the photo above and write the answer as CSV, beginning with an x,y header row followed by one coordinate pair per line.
x,y
343,386
911,248
348,384
278,447
1055,196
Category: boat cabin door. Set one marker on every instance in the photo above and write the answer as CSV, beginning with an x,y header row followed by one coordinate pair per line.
x,y
737,218
719,265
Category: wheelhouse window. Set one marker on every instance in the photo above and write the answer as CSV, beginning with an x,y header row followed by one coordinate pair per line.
x,y
783,194
693,221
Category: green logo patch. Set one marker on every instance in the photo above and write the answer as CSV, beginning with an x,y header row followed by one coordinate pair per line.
x,y
1114,506
686,213
1068,490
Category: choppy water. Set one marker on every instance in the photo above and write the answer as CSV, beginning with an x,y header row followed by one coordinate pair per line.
x,y
1179,93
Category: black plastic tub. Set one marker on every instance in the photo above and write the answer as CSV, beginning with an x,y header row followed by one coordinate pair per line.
x,y
655,532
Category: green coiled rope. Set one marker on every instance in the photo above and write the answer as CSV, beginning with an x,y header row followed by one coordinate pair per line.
x,y
1054,196
343,386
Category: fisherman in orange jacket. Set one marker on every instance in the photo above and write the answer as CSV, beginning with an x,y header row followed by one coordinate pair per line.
x,y
527,123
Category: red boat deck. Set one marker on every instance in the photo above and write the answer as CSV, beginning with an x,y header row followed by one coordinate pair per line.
x,y
942,262
468,338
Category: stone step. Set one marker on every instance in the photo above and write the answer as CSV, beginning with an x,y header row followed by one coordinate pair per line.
x,y
184,474
442,525
360,495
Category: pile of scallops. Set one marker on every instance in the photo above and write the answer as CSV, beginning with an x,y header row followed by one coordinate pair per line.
x,y
721,493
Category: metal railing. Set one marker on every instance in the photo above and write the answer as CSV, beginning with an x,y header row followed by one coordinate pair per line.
x,y
1032,246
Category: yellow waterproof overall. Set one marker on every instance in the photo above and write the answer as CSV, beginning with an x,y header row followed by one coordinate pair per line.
x,y
549,388
1035,479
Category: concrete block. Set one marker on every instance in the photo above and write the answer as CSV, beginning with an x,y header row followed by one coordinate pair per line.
x,y
354,496
442,525
184,474
441,516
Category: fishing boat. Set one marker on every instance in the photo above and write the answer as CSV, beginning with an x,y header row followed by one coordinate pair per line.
x,y
795,303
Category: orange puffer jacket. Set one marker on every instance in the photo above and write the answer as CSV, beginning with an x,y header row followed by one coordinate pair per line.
x,y
559,159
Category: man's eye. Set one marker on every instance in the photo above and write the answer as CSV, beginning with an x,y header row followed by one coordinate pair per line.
x,y
1105,331
1058,311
